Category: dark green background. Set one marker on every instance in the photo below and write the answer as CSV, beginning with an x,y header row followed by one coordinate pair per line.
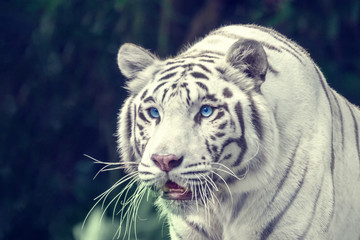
x,y
61,90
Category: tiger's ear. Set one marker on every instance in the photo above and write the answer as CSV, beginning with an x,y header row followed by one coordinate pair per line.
x,y
249,56
133,61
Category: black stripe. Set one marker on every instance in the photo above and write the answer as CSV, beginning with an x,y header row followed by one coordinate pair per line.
x,y
332,161
189,66
203,86
207,60
198,118
129,120
194,172
144,94
287,171
208,146
145,165
167,76
198,229
149,99
242,141
145,173
175,62
140,127
220,134
173,228
188,98
223,125
313,210
214,148
211,97
208,56
169,69
135,119
164,94
271,47
137,147
237,208
199,75
272,70
292,53
220,70
196,164
238,37
341,118
203,68
142,116
356,128
255,118
281,38
272,224
158,86
322,81
218,116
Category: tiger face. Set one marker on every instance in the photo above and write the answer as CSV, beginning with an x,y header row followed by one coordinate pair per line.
x,y
193,127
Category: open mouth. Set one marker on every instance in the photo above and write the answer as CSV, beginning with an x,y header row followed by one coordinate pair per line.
x,y
173,191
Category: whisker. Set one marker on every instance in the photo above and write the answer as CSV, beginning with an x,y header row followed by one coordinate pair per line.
x,y
119,182
109,163
232,200
127,188
104,195
255,154
231,172
238,178
117,197
209,179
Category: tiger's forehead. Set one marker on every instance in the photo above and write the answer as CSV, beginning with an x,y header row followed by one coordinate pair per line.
x,y
185,83
186,78
177,69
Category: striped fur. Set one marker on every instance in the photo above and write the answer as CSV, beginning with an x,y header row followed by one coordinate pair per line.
x,y
279,156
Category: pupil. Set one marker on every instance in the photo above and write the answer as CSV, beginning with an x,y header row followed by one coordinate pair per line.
x,y
206,111
154,112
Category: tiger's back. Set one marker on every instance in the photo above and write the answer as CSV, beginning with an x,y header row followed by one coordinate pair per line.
x,y
290,140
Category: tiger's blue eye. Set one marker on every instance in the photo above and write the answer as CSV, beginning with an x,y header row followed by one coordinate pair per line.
x,y
154,113
206,111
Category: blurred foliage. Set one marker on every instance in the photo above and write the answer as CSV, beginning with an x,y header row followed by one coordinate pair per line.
x,y
61,90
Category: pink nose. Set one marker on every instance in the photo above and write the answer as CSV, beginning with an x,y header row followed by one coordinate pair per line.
x,y
166,162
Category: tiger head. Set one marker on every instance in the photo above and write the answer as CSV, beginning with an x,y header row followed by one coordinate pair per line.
x,y
193,126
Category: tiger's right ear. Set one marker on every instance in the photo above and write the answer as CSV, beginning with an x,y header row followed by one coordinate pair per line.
x,y
132,60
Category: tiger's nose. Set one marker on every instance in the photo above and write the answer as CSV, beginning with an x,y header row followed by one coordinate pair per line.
x,y
166,162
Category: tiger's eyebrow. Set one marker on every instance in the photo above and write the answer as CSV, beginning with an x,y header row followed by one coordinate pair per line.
x,y
149,99
210,97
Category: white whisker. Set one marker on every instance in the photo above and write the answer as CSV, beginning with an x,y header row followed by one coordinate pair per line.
x,y
232,200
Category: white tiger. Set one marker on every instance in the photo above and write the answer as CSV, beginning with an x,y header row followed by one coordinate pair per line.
x,y
242,138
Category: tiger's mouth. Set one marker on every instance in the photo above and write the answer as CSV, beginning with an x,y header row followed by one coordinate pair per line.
x,y
174,191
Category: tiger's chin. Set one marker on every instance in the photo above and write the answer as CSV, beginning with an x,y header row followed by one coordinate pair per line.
x,y
173,191
176,199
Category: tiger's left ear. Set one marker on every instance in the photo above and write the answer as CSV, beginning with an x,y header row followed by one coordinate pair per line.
x,y
249,56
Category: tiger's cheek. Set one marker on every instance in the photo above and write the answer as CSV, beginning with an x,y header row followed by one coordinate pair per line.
x,y
216,132
142,130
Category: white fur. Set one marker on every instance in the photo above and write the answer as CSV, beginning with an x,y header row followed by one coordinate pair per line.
x,y
296,116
